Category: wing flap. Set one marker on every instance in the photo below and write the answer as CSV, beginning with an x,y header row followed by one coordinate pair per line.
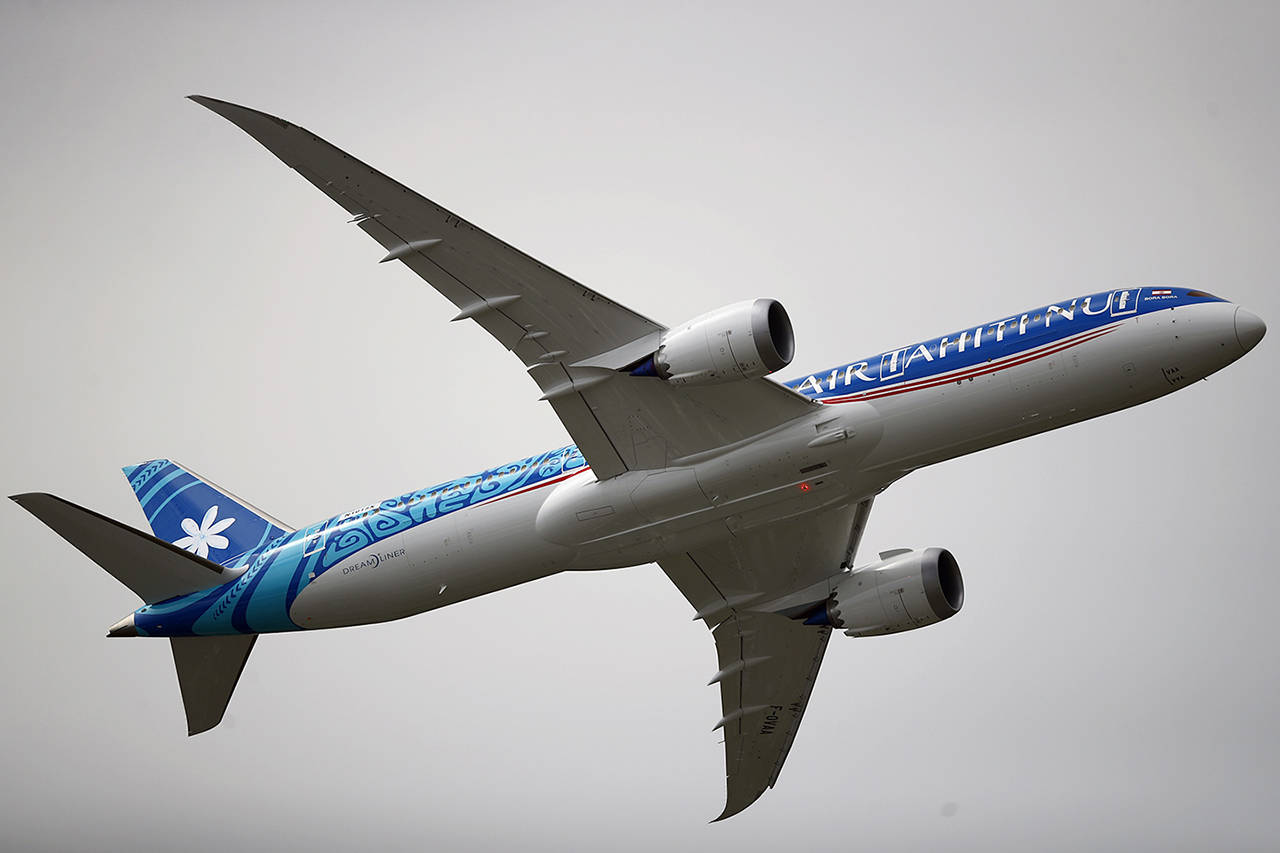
x,y
689,420
765,562
592,440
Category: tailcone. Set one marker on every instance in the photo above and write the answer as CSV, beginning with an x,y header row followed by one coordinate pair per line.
x,y
123,628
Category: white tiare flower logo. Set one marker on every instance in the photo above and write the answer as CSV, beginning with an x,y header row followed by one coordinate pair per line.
x,y
208,535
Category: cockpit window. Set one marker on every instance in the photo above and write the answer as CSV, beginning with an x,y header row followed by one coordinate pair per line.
x,y
1201,294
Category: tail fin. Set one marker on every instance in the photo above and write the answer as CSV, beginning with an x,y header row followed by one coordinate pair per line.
x,y
208,667
193,513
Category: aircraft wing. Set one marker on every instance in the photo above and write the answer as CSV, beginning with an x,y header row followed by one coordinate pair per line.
x,y
768,662
765,701
572,339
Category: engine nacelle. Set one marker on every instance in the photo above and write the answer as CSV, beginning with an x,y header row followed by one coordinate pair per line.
x,y
906,590
740,341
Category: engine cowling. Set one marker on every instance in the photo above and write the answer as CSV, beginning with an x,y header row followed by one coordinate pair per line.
x,y
740,341
903,591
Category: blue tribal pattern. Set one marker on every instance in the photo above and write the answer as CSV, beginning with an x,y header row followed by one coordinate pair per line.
x,y
259,599
186,510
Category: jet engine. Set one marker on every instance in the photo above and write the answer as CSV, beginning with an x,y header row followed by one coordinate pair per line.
x,y
740,341
904,590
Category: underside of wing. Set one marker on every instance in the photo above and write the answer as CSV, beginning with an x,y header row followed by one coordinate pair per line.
x,y
768,665
572,339
751,589
750,568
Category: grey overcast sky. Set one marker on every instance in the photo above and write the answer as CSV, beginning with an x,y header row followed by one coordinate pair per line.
x,y
890,171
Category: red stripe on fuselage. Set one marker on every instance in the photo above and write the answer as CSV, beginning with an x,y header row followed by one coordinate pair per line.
x,y
974,372
523,489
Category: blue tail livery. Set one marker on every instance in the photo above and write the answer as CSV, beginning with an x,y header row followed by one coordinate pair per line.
x,y
192,513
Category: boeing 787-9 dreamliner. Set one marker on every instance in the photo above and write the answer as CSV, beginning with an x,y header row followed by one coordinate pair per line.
x,y
751,494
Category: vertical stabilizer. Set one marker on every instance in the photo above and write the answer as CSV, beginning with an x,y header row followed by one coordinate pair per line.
x,y
208,669
186,509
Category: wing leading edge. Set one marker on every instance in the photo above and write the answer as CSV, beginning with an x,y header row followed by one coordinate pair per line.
x,y
571,339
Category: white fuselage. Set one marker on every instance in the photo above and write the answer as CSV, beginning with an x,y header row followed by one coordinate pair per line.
x,y
842,453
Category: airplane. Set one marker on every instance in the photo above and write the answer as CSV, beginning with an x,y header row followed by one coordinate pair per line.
x,y
752,495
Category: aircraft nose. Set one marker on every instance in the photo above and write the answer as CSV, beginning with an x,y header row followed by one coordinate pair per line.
x,y
1249,329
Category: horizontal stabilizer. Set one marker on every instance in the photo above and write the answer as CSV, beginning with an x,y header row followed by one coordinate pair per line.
x,y
208,669
151,567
